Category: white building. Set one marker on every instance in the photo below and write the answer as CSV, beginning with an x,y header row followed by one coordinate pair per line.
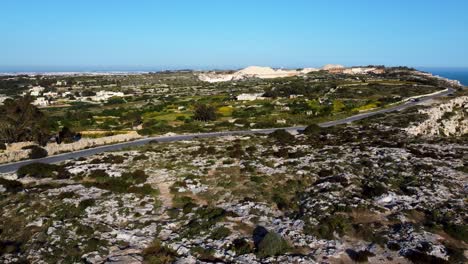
x,y
250,97
281,121
51,94
102,96
41,101
65,94
36,90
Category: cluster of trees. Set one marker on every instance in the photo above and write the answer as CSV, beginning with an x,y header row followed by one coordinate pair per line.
x,y
204,113
22,121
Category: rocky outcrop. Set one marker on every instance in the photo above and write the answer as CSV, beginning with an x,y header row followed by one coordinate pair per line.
x,y
445,119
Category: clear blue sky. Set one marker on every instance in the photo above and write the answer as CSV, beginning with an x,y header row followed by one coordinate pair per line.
x,y
113,34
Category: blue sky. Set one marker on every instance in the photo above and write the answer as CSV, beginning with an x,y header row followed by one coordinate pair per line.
x,y
123,35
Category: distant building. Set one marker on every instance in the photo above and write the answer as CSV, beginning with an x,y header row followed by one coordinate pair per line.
x,y
281,121
41,101
250,97
35,91
65,94
294,96
51,94
103,96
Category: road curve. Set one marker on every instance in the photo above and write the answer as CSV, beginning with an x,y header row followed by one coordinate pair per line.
x,y
11,167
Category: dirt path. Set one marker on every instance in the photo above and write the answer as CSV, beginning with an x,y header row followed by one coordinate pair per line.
x,y
161,180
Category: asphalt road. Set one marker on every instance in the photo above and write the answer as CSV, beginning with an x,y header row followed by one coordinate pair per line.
x,y
10,167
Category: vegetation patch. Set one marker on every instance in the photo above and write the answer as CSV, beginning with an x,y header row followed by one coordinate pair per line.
x,y
43,170
157,253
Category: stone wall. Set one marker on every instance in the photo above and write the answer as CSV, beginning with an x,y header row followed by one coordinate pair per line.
x,y
14,152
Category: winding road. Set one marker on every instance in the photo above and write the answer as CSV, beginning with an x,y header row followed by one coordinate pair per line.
x,y
11,167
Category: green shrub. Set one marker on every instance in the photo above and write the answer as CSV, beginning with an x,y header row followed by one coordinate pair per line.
x,y
459,232
86,203
184,202
359,256
11,185
272,245
204,219
329,225
113,159
36,152
374,189
43,170
124,183
205,254
135,177
99,175
220,233
241,246
145,189
313,130
282,136
204,113
157,253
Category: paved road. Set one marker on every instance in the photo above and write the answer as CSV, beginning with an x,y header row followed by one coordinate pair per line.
x,y
10,167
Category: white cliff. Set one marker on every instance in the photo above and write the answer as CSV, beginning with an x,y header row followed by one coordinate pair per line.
x,y
253,72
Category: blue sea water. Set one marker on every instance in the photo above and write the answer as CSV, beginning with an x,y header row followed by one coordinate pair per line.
x,y
460,74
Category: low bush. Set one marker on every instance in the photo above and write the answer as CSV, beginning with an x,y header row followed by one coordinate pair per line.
x,y
282,136
272,245
11,185
36,152
157,253
122,184
2,146
241,246
419,257
359,256
43,170
205,218
328,226
220,233
86,203
313,130
113,159
459,232
370,190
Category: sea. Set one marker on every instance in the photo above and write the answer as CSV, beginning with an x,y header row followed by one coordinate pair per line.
x,y
460,74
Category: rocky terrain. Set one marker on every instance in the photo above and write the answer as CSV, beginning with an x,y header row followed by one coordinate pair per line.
x,y
450,118
372,192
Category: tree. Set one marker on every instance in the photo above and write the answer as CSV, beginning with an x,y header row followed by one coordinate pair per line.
x,y
133,117
204,113
66,135
22,121
338,106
